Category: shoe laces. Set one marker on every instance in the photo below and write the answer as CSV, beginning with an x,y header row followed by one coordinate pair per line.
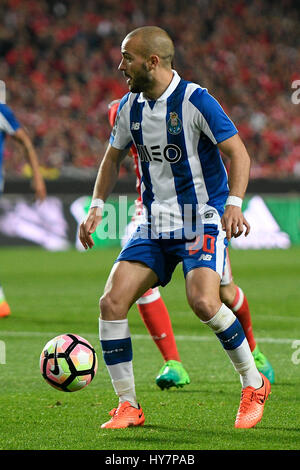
x,y
119,410
248,396
112,412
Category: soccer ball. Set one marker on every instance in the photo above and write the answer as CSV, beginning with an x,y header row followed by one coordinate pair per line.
x,y
68,362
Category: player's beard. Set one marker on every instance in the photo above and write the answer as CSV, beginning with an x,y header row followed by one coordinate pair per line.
x,y
142,81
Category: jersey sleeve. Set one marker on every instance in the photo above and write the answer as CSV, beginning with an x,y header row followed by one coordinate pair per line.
x,y
8,122
121,137
211,118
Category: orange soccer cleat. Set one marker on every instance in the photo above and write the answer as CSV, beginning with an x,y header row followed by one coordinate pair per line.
x,y
252,404
124,416
4,309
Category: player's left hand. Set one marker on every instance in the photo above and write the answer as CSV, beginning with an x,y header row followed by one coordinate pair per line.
x,y
233,222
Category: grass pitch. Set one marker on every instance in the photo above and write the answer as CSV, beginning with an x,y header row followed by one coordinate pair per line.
x,y
55,293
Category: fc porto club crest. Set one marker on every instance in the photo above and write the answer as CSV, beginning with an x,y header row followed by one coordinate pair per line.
x,y
174,124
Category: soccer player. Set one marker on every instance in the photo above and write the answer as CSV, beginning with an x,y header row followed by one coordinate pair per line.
x,y
156,316
178,129
9,125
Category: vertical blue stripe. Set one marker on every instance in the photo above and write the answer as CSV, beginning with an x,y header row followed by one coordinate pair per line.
x,y
222,128
214,173
181,170
136,116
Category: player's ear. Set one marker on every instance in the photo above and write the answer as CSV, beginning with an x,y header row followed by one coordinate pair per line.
x,y
153,61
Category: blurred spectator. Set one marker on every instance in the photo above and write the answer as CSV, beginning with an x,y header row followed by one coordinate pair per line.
x,y
59,60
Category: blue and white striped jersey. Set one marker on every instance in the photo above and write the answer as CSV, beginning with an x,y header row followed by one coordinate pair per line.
x,y
176,137
8,125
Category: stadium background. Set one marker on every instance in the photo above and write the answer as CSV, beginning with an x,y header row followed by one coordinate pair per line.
x,y
59,63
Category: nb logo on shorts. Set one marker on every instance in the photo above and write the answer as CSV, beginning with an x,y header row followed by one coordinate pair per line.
x,y
205,257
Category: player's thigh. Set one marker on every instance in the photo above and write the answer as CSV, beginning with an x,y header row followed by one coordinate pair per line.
x,y
202,290
228,293
128,280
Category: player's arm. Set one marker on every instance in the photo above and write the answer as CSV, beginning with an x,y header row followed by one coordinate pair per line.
x,y
106,179
38,182
233,221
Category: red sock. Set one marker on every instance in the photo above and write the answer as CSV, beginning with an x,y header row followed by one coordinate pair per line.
x,y
156,318
240,308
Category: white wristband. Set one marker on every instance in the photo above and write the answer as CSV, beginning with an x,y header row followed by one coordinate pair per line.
x,y
97,203
234,201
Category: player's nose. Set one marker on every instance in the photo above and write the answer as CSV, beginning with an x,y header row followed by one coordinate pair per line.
x,y
122,65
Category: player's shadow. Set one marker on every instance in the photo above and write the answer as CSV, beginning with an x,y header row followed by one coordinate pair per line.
x,y
159,439
195,390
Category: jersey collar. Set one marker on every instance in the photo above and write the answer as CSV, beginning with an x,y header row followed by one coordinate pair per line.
x,y
173,85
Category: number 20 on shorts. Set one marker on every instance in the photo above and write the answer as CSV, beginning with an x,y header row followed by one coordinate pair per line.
x,y
208,245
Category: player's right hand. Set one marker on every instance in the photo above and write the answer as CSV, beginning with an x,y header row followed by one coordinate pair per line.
x,y
89,226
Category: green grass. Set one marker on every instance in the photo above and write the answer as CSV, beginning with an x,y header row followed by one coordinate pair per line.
x,y
54,293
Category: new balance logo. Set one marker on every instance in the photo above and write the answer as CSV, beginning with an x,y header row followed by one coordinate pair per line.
x,y
205,257
135,126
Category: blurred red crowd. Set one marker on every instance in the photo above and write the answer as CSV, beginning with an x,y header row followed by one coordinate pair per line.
x,y
59,60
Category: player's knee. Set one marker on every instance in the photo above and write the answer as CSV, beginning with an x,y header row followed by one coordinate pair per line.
x,y
204,307
110,308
